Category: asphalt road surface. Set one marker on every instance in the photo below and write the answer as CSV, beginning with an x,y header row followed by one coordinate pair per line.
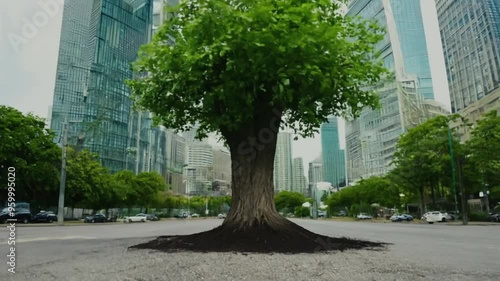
x,y
99,252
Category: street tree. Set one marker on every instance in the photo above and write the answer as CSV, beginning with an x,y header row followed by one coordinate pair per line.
x,y
29,148
289,200
149,184
244,69
423,159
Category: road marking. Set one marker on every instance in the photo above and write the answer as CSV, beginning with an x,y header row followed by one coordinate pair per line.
x,y
50,238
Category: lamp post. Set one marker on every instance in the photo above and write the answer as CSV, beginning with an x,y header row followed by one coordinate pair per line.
x,y
62,186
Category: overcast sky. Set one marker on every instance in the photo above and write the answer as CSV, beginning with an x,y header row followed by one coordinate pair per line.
x,y
28,60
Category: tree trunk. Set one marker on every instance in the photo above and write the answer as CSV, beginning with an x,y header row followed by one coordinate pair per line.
x,y
422,200
252,157
433,193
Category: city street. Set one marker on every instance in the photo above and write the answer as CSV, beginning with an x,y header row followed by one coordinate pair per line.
x,y
99,252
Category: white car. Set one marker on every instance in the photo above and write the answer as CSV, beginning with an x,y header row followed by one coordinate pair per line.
x,y
195,215
435,216
364,216
135,218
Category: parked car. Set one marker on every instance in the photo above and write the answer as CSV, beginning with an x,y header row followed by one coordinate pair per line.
x,y
435,216
195,215
364,216
322,214
149,217
96,218
44,216
221,216
342,214
135,218
494,217
19,215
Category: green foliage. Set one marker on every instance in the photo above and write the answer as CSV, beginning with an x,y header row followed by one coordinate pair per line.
x,y
149,187
378,190
423,159
478,216
28,146
86,180
288,199
302,212
235,60
483,150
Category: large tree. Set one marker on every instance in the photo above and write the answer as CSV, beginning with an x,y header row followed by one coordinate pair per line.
x,y
245,69
28,147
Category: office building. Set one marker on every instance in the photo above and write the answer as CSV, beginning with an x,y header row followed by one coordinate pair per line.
x,y
299,183
99,40
470,33
314,174
283,162
418,91
332,156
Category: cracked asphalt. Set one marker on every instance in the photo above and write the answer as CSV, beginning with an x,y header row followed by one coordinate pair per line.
x,y
99,252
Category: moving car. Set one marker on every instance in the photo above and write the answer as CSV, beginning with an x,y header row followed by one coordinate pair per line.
x,y
403,217
96,218
44,216
18,215
149,217
364,216
435,216
135,218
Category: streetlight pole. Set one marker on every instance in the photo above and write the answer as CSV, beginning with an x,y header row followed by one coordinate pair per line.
x,y
454,183
62,186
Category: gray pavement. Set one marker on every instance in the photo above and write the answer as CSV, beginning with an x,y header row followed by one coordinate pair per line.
x,y
99,252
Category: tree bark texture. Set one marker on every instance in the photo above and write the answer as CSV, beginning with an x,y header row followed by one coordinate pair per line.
x,y
252,150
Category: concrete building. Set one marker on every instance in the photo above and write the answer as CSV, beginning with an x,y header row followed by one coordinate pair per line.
x,y
475,111
283,162
97,45
299,183
418,91
332,156
222,171
470,32
315,174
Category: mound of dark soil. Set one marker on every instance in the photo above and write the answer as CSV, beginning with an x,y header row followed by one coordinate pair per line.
x,y
290,239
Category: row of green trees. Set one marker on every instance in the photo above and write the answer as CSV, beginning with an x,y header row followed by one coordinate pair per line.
x,y
29,147
432,166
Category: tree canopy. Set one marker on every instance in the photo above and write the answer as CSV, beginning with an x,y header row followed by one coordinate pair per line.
x,y
232,60
28,146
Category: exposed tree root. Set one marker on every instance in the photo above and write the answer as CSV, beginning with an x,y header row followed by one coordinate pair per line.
x,y
289,238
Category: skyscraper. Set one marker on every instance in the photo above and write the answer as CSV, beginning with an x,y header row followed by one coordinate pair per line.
x,y
418,92
333,161
299,183
99,40
470,32
283,162
315,174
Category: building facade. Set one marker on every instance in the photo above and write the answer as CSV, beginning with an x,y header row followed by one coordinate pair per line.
x,y
283,162
470,32
332,156
299,182
417,92
315,174
99,40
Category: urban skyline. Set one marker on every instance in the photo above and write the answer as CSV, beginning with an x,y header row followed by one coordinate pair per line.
x,y
307,152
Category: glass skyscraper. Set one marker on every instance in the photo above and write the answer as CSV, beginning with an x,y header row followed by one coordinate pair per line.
x,y
416,93
332,155
99,40
470,32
